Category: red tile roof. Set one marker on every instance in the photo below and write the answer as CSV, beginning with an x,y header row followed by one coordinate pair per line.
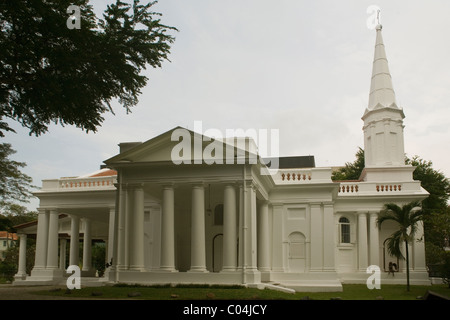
x,y
8,235
105,173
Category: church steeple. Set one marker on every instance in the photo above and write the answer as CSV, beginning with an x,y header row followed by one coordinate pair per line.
x,y
383,119
381,91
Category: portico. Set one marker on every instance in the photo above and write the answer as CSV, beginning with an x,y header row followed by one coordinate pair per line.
x,y
189,226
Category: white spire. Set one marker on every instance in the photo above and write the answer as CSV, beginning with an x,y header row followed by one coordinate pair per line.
x,y
382,93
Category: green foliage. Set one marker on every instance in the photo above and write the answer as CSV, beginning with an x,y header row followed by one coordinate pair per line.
x,y
98,257
160,292
13,215
407,220
14,185
351,171
8,267
50,73
445,268
434,182
16,214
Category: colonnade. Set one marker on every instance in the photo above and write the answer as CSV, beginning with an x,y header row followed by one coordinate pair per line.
x,y
240,216
49,263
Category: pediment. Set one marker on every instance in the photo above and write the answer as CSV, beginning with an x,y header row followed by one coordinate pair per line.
x,y
181,145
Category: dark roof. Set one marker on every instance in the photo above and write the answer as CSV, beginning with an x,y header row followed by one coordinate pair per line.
x,y
292,162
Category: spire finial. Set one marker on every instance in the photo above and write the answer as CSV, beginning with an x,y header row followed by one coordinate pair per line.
x,y
379,26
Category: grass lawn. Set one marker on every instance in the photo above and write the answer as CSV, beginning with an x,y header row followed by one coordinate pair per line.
x,y
350,292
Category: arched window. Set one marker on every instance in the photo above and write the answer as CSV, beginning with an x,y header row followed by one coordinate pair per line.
x,y
344,230
296,245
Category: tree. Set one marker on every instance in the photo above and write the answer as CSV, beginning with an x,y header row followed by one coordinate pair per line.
x,y
51,73
434,181
17,214
98,257
351,171
407,217
445,268
12,215
14,185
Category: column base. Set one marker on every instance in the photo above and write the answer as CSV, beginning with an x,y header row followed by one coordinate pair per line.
x,y
252,276
167,269
137,268
20,276
198,270
45,275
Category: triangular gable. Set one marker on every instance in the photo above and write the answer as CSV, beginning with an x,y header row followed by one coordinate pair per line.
x,y
181,145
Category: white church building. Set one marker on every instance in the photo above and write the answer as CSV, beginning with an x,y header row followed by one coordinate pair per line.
x,y
232,222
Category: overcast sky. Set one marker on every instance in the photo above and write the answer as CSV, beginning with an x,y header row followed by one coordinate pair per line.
x,y
302,67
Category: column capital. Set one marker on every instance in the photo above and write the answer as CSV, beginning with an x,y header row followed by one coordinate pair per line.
x,y
230,185
198,185
247,184
135,185
168,185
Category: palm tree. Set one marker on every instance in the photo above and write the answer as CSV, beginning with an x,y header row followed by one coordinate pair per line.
x,y
407,218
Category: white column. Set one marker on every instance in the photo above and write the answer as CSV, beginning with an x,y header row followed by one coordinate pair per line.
x,y
74,258
87,245
137,241
374,242
362,241
198,253
40,260
62,254
328,237
168,230
121,229
278,253
250,229
128,227
419,249
263,237
317,237
229,229
241,228
110,241
52,256
21,272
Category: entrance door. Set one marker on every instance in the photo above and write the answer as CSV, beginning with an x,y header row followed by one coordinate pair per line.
x,y
217,252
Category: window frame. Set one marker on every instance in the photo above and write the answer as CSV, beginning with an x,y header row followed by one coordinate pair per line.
x,y
347,234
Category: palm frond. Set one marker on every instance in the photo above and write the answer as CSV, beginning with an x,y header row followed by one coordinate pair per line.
x,y
394,244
